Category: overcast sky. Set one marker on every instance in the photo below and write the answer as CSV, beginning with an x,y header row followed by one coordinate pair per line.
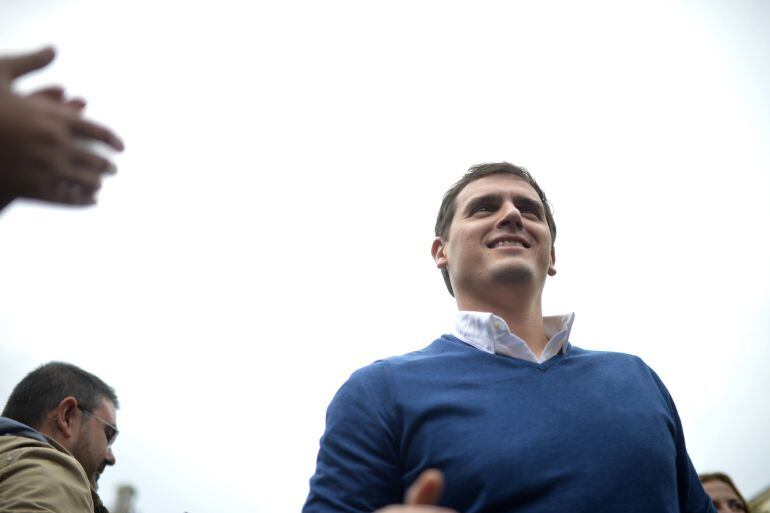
x,y
269,229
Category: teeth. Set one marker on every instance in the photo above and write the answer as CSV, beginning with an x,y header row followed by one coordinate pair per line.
x,y
508,243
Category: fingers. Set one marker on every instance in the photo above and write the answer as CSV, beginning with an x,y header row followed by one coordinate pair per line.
x,y
55,93
84,178
76,104
422,496
69,179
71,193
426,490
23,64
85,128
69,187
414,509
92,162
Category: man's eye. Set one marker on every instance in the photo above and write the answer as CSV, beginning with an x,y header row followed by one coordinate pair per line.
x,y
531,210
483,208
735,505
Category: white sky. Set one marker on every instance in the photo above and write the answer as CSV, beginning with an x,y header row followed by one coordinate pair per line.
x,y
269,230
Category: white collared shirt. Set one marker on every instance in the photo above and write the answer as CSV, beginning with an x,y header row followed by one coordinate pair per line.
x,y
490,333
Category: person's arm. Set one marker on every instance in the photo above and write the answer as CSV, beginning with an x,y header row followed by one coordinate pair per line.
x,y
358,469
692,497
44,140
40,479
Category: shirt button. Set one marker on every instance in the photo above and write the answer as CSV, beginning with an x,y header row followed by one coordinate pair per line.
x,y
497,326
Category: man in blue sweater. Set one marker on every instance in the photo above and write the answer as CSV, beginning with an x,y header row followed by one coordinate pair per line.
x,y
510,414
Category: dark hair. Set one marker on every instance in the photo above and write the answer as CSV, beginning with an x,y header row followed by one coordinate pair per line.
x,y
721,476
447,210
44,388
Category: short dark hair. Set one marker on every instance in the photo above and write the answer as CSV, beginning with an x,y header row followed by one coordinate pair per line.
x,y
447,210
44,388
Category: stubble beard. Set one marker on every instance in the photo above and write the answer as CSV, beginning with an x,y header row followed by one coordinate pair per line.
x,y
82,454
513,275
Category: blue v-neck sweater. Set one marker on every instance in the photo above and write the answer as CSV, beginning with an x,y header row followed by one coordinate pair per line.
x,y
585,431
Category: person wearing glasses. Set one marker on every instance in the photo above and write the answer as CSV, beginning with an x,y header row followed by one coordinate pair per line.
x,y
56,435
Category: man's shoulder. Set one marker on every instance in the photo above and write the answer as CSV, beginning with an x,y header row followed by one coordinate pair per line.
x,y
16,448
18,453
28,464
17,444
379,375
625,365
604,356
443,348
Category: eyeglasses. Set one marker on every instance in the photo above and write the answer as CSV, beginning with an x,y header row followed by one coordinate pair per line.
x,y
110,431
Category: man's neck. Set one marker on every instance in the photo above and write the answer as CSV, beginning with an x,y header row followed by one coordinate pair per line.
x,y
55,435
522,313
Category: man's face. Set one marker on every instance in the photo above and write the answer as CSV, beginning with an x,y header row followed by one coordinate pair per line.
x,y
499,235
92,448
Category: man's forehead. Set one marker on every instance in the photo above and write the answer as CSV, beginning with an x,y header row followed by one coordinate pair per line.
x,y
499,183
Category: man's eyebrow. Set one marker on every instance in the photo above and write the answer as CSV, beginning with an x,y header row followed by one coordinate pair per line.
x,y
472,203
529,202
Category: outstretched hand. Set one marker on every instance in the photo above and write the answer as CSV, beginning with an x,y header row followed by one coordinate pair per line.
x,y
45,140
422,496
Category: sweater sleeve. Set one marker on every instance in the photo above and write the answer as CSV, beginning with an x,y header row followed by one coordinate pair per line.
x,y
692,497
40,479
357,470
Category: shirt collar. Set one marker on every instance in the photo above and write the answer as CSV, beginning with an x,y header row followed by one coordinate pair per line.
x,y
490,333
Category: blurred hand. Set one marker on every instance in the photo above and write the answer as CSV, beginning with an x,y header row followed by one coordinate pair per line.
x,y
45,140
422,495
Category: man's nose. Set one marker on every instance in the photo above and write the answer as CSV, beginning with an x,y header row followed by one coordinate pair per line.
x,y
109,457
509,215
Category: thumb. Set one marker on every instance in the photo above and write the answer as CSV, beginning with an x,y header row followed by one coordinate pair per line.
x,y
23,64
426,490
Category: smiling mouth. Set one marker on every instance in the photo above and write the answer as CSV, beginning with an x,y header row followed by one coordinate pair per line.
x,y
509,243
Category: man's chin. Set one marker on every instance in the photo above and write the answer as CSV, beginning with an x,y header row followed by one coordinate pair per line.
x,y
514,274
96,475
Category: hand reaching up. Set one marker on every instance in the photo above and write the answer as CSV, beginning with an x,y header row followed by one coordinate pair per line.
x,y
45,142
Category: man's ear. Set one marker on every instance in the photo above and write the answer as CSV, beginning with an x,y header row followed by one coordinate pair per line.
x,y
439,253
66,417
552,264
